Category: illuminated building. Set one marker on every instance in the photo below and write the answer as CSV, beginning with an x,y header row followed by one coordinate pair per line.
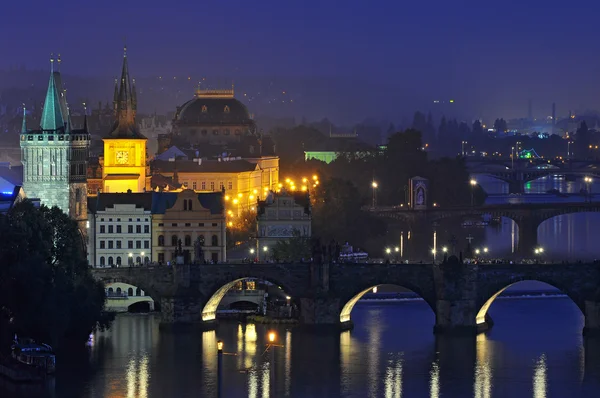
x,y
214,146
133,229
55,156
282,216
124,164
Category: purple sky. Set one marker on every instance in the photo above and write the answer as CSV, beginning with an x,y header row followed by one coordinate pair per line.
x,y
483,55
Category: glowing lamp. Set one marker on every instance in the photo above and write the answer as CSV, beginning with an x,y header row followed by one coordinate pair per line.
x,y
219,345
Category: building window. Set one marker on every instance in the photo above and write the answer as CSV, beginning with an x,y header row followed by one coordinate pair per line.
x,y
221,185
138,244
251,285
130,244
146,229
227,132
190,205
185,203
212,185
230,185
102,229
138,291
138,260
194,185
161,240
102,261
118,260
161,257
118,229
110,261
138,229
214,240
215,132
130,228
102,244
200,224
226,110
203,185
146,244
130,291
174,224
185,184
188,240
118,244
188,224
214,224
204,109
110,229
110,244
146,260
174,240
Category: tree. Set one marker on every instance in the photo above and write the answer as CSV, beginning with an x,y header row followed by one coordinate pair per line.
x,y
582,140
47,291
500,125
292,250
242,228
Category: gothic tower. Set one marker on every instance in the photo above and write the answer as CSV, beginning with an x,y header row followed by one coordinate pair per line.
x,y
55,156
125,164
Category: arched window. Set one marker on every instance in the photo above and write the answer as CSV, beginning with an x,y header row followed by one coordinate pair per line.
x,y
226,110
215,240
110,290
130,292
102,261
146,260
110,261
188,240
118,260
161,240
130,260
190,205
185,202
204,109
138,259
174,240
118,290
138,291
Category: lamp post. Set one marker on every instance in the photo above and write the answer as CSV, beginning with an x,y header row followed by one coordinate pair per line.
x,y
433,256
569,150
219,368
374,185
473,184
588,182
512,158
272,336
462,147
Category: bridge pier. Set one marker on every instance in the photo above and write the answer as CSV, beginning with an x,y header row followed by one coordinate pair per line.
x,y
516,186
181,311
592,319
528,238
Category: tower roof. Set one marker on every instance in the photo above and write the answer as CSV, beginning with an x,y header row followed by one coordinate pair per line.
x,y
52,115
125,107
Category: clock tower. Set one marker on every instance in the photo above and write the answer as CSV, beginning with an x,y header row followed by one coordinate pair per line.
x,y
125,164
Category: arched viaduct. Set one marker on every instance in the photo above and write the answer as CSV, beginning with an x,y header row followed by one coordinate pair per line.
x,y
459,295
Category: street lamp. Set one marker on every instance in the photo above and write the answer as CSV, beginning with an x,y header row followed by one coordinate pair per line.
x,y
477,251
374,185
485,249
462,148
433,256
251,251
219,368
473,184
512,158
388,250
588,182
445,249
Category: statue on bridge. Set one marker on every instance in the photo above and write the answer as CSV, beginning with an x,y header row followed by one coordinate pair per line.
x,y
198,250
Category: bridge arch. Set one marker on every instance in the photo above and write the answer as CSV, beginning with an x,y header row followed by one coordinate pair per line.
x,y
220,289
121,296
487,299
345,313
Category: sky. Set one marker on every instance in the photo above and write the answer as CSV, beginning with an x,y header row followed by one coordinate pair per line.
x,y
485,56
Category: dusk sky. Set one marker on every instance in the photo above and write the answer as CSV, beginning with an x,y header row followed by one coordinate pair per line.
x,y
483,55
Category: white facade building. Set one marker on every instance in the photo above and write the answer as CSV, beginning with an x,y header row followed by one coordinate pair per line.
x,y
120,229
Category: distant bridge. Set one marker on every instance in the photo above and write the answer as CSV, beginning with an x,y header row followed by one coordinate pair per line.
x,y
458,294
527,216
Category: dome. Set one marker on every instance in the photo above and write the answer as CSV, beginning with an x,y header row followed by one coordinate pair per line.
x,y
216,107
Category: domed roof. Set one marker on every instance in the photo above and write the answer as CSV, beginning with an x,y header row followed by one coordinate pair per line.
x,y
213,107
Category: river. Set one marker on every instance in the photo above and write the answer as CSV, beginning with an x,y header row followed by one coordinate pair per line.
x,y
535,350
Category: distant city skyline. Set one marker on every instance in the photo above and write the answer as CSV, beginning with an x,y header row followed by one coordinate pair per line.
x,y
490,58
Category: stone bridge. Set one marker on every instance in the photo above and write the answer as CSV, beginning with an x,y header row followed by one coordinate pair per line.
x,y
459,295
527,216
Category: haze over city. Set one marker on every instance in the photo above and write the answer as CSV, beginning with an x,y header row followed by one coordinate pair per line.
x,y
345,62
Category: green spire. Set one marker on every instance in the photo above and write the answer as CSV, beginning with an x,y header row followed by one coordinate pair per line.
x,y
24,125
52,117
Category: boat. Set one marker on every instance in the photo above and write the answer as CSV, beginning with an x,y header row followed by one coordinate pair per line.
x,y
39,356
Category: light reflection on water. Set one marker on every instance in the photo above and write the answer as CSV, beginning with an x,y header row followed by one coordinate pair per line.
x,y
535,350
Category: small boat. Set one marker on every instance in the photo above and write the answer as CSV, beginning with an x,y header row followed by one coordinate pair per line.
x,y
347,254
39,356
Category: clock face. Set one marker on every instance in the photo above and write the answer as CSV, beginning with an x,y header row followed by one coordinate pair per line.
x,y
122,157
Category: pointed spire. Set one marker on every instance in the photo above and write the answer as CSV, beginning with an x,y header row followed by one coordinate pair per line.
x,y
85,122
116,96
126,104
68,122
133,96
58,60
52,116
24,124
